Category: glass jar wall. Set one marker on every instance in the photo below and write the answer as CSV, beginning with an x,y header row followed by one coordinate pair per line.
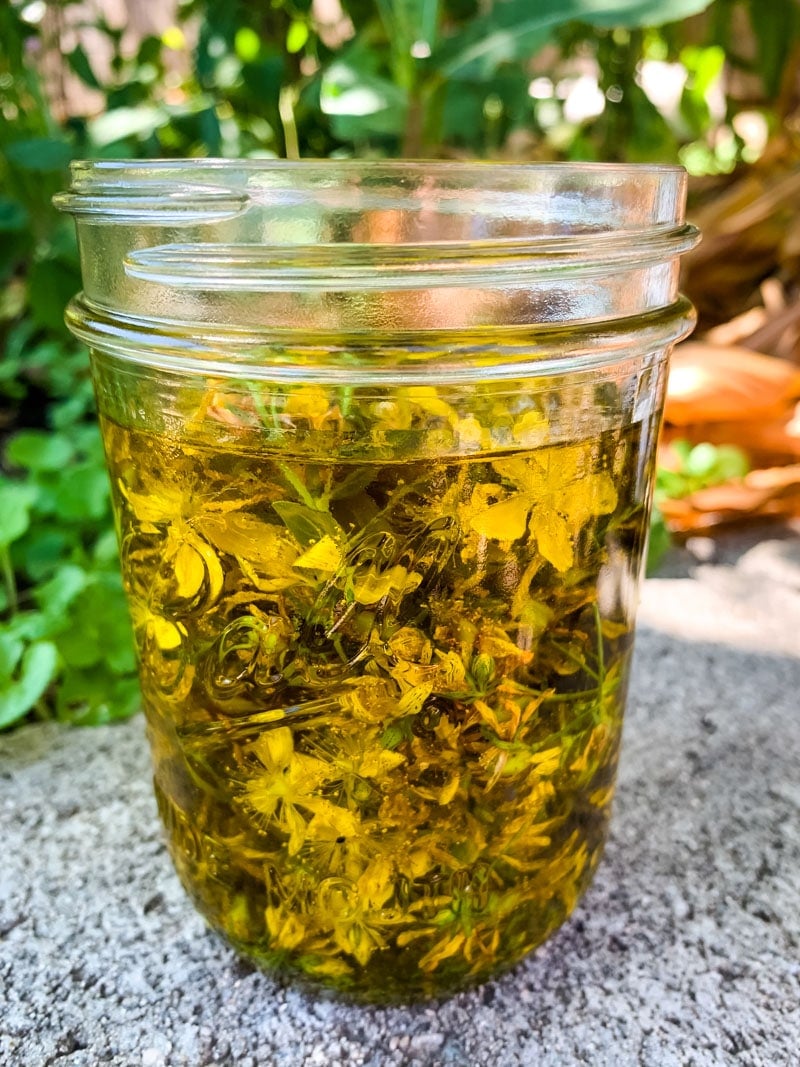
x,y
381,440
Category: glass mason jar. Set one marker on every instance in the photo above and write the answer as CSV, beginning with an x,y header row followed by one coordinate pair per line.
x,y
381,438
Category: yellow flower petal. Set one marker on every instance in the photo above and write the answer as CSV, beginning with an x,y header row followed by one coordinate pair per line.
x,y
505,521
411,702
309,401
428,399
377,762
166,634
444,950
553,537
375,585
189,571
449,789
324,556
591,496
376,884
470,433
275,748
529,428
330,968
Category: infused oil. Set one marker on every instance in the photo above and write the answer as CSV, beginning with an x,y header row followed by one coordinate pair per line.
x,y
384,695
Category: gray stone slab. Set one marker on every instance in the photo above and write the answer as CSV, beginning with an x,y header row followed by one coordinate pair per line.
x,y
685,951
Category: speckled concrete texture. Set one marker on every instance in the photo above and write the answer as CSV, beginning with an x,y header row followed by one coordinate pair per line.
x,y
686,951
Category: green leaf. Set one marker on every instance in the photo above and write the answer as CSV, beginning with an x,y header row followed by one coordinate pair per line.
x,y
11,649
13,216
629,14
54,597
397,732
51,285
39,155
658,542
151,46
462,111
16,502
93,697
411,27
263,78
37,450
701,466
650,139
44,549
701,460
348,93
106,548
306,524
775,26
670,484
79,62
515,29
682,449
411,20
65,414
358,96
731,462
97,629
708,464
28,626
84,494
124,122
296,36
37,670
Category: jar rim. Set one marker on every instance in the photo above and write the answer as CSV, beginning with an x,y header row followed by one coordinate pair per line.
x,y
587,197
98,166
384,246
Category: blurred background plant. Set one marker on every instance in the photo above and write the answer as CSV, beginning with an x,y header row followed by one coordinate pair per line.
x,y
711,85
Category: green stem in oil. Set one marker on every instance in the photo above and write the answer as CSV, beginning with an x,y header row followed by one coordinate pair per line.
x,y
601,663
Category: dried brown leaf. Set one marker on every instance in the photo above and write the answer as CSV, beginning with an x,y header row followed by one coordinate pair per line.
x,y
772,492
727,384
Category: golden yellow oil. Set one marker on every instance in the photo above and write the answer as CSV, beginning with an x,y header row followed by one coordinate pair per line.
x,y
384,697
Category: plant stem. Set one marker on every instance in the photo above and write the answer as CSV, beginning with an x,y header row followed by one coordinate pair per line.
x,y
9,581
286,102
412,138
601,656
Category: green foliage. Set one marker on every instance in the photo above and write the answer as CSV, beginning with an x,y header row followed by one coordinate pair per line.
x,y
64,618
698,467
516,29
659,541
392,77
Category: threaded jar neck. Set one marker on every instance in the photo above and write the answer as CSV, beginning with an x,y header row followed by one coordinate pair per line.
x,y
184,256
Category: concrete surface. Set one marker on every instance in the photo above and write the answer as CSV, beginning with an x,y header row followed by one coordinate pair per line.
x,y
686,951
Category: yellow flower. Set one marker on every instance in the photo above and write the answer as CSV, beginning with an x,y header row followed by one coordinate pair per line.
x,y
356,763
287,788
563,492
285,927
557,492
358,911
309,402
